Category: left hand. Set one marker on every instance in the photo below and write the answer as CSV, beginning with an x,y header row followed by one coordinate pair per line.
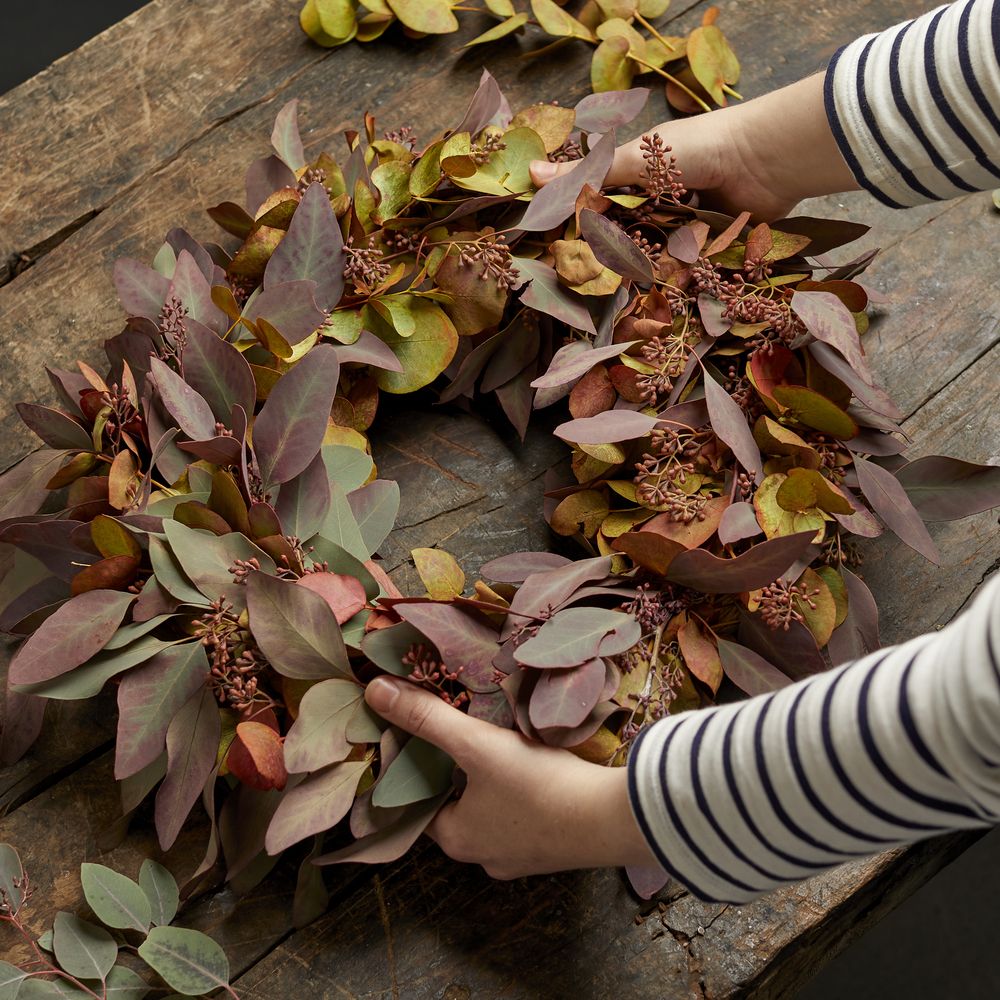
x,y
527,809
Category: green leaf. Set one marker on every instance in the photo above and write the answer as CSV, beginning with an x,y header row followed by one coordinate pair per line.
x,y
348,467
116,900
611,69
318,736
500,30
188,961
11,978
83,949
816,411
11,871
431,17
421,771
555,21
424,354
161,890
124,984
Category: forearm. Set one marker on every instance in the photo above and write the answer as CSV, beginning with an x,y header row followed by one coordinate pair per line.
x,y
898,746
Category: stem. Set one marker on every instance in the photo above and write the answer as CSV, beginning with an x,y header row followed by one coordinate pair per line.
x,y
726,89
649,27
673,79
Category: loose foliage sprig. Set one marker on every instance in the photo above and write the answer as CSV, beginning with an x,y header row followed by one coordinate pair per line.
x,y
698,69
201,531
80,958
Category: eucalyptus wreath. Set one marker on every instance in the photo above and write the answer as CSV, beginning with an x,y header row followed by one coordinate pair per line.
x,y
201,530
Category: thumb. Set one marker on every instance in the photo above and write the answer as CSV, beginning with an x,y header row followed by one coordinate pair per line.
x,y
543,172
421,713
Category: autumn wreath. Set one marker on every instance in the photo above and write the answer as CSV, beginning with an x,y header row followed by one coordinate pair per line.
x,y
201,529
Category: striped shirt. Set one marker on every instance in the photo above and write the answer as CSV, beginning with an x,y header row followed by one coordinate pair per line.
x,y
904,743
915,109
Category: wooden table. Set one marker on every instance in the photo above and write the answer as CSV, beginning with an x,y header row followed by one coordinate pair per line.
x,y
127,137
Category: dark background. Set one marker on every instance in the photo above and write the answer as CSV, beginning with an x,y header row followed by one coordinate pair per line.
x,y
941,944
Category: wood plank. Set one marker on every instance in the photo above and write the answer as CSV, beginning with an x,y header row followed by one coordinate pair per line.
x,y
40,322
99,121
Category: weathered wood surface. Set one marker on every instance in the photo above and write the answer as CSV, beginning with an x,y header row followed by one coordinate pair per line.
x,y
110,148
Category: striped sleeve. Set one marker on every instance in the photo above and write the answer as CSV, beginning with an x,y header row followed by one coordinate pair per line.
x,y
914,109
897,746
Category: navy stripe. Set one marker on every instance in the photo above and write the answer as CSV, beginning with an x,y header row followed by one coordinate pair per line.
x,y
843,777
899,166
815,801
840,136
893,779
965,60
772,795
652,842
705,807
727,766
692,844
937,93
903,106
910,725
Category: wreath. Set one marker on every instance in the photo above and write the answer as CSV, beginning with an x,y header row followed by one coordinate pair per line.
x,y
201,528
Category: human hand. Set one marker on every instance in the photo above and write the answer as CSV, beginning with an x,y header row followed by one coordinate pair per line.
x,y
526,809
761,157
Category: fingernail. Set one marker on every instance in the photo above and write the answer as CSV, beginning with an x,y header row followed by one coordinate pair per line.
x,y
381,693
543,170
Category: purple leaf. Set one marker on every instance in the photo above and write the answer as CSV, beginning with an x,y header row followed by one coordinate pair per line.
x,y
193,289
390,843
889,500
793,652
368,350
748,670
576,635
289,307
710,310
180,240
567,365
545,294
487,102
312,249
264,177
303,502
296,629
558,736
462,639
141,290
566,697
756,568
609,110
556,202
871,442
192,746
871,395
218,372
862,522
148,699
516,398
613,248
610,426
217,450
857,635
548,589
683,245
730,424
518,347
493,708
55,428
22,487
830,321
320,802
285,136
518,566
76,632
945,489
470,368
739,521
421,771
51,542
646,882
193,414
21,725
288,432
69,385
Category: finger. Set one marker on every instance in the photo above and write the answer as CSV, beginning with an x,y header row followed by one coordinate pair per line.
x,y
421,713
626,168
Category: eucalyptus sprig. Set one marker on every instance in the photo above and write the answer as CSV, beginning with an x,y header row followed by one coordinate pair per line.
x,y
699,69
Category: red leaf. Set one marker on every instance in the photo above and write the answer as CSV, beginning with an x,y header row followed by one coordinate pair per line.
x,y
344,594
256,757
700,654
